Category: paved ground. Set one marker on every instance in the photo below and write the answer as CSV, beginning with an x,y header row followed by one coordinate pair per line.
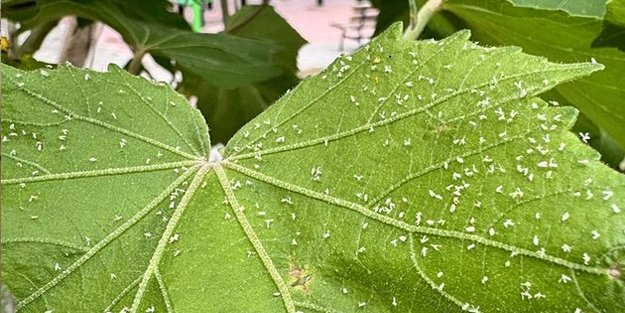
x,y
311,21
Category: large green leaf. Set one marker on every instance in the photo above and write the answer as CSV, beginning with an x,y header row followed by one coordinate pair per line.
x,y
147,26
227,110
560,37
409,177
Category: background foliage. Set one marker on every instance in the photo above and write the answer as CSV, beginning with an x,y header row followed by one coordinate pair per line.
x,y
235,74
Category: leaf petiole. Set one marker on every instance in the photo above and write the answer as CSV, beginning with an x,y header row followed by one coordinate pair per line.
x,y
419,19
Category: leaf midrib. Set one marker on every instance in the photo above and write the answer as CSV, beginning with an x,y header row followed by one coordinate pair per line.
x,y
253,238
100,172
408,227
169,230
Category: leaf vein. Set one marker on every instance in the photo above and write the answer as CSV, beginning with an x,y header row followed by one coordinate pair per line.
x,y
393,119
31,163
164,293
104,242
171,225
122,294
408,227
439,165
93,121
253,238
95,173
59,243
429,281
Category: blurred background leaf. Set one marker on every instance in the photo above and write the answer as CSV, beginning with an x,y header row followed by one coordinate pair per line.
x,y
613,33
587,8
148,27
227,109
440,25
26,62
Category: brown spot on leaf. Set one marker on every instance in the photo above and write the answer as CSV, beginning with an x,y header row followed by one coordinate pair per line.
x,y
300,276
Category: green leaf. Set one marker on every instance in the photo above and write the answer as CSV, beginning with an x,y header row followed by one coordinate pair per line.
x,y
613,33
26,62
147,26
31,12
19,10
611,36
391,11
444,168
262,22
616,12
227,110
562,38
588,8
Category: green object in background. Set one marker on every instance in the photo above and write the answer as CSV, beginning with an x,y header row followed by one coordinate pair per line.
x,y
198,16
613,33
147,26
198,12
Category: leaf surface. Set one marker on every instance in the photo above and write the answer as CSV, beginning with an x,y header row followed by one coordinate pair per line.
x,y
589,8
560,37
409,177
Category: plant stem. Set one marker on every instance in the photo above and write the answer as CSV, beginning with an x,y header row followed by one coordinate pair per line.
x,y
224,12
422,17
413,13
135,65
33,42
